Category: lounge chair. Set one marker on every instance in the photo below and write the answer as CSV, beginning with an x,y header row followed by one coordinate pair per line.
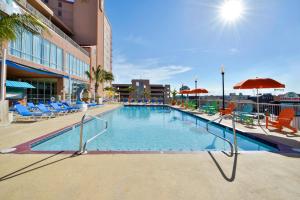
x,y
46,110
228,110
70,107
210,108
24,113
245,115
284,119
31,106
58,108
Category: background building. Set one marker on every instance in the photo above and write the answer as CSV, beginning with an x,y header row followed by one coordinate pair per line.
x,y
143,89
78,38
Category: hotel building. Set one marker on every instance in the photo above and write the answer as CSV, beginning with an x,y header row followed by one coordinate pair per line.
x,y
142,87
78,38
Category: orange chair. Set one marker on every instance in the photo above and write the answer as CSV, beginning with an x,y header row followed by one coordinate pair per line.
x,y
284,119
228,110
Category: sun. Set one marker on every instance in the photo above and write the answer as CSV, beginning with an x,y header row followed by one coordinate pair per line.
x,y
231,10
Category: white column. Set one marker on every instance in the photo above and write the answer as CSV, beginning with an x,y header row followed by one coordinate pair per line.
x,y
4,118
3,75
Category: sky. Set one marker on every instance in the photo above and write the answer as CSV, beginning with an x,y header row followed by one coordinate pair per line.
x,y
177,41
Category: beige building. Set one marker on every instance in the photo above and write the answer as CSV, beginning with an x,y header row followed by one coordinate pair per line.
x,y
142,89
78,39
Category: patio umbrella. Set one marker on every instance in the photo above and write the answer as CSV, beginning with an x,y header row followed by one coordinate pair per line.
x,y
182,92
259,83
198,91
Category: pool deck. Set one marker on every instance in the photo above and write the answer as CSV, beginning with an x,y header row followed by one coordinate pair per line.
x,y
287,140
205,175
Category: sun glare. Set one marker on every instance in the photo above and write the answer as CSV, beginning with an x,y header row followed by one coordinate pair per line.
x,y
231,10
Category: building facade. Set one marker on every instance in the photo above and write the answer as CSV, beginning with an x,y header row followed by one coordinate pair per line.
x,y
142,89
55,62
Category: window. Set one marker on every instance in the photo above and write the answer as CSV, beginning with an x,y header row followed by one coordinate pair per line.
x,y
27,45
59,13
76,66
59,4
46,53
45,1
53,60
59,58
37,49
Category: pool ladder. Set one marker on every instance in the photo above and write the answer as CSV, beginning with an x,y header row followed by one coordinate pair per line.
x,y
82,147
233,147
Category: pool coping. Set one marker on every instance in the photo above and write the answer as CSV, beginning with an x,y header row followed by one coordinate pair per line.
x,y
25,148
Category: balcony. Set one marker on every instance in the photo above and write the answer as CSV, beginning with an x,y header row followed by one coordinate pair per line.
x,y
48,23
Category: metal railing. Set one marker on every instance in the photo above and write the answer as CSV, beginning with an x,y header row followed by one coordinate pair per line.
x,y
82,147
233,147
272,110
48,23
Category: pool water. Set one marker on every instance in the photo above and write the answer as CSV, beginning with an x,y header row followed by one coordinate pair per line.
x,y
149,128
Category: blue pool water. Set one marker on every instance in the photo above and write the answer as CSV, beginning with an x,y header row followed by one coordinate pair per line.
x,y
151,128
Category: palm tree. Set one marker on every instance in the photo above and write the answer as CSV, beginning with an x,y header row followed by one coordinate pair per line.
x,y
109,77
13,25
131,90
100,76
174,93
147,94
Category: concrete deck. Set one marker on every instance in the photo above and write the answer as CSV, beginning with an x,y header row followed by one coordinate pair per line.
x,y
260,131
256,175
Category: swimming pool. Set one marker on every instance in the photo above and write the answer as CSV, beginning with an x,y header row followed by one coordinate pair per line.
x,y
149,128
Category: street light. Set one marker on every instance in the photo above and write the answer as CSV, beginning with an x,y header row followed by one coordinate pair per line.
x,y
144,91
223,95
118,89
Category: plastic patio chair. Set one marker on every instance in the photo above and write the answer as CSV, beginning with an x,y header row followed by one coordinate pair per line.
x,y
228,110
284,119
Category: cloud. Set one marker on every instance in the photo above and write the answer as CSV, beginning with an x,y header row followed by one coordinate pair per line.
x,y
233,51
138,40
150,68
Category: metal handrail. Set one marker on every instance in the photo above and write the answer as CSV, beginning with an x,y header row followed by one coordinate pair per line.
x,y
233,147
82,148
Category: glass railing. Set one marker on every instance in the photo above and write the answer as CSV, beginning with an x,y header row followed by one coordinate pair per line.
x,y
47,22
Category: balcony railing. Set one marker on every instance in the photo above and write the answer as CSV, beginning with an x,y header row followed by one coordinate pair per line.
x,y
48,23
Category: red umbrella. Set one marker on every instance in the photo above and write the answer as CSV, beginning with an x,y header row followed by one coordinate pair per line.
x,y
259,83
198,91
184,92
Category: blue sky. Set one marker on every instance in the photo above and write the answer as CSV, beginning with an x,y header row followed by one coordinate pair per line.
x,y
174,41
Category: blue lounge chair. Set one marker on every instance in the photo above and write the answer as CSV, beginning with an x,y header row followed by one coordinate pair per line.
x,y
58,108
70,107
24,113
31,106
46,110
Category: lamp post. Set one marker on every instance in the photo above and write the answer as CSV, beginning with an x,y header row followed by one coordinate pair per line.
x,y
118,89
144,91
223,93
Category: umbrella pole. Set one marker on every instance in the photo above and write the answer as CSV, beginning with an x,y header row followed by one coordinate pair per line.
x,y
257,106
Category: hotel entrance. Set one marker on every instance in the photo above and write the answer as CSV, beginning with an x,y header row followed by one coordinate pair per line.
x,y
46,85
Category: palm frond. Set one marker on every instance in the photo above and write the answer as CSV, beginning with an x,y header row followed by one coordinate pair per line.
x,y
14,24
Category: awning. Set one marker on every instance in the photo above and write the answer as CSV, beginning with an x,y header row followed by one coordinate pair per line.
x,y
29,69
18,84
